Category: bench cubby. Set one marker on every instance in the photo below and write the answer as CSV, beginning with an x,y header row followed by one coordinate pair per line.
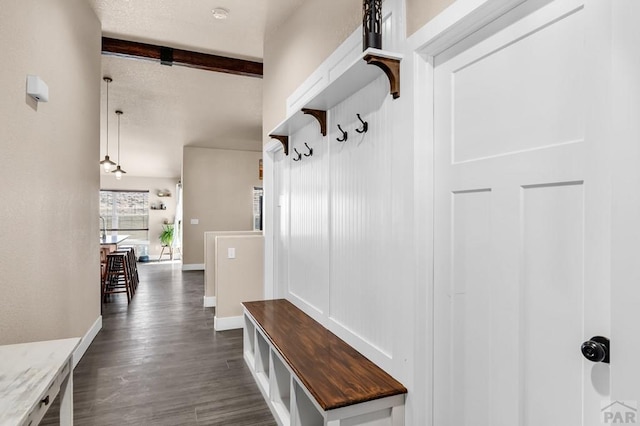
x,y
308,376
262,361
280,387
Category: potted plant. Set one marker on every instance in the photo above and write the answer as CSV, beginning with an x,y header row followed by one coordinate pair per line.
x,y
166,236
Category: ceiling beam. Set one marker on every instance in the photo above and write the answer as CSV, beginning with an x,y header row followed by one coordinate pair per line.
x,y
185,58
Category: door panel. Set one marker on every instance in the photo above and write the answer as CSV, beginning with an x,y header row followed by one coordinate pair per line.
x,y
513,99
471,304
519,213
552,303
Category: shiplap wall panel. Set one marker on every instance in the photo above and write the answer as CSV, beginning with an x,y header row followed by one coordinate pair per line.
x,y
360,217
281,232
308,255
350,223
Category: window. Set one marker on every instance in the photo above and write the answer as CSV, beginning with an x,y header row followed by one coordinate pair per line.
x,y
126,213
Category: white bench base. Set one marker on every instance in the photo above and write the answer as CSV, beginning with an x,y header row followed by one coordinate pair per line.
x,y
290,401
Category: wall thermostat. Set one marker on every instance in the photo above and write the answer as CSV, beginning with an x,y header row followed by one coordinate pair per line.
x,y
37,89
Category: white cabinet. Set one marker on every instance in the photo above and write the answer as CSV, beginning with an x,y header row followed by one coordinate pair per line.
x,y
32,375
357,74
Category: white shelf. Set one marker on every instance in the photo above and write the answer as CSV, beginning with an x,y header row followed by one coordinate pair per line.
x,y
249,341
280,388
262,354
352,80
292,124
282,412
263,381
306,412
249,358
355,76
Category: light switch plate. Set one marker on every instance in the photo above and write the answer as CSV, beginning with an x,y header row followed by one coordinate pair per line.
x,y
231,253
195,221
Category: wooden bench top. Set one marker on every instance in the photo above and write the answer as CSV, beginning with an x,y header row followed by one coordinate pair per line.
x,y
334,373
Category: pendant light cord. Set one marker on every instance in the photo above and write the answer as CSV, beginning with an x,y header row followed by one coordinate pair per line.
x,y
119,139
107,116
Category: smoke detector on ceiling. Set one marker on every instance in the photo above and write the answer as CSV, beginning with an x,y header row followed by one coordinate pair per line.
x,y
220,13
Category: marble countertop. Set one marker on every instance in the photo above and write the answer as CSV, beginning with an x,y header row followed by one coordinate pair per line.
x,y
26,372
113,239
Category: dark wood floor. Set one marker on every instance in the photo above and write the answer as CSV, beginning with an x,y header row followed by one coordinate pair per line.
x,y
158,361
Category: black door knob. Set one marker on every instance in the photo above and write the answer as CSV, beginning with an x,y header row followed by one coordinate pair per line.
x,y
596,349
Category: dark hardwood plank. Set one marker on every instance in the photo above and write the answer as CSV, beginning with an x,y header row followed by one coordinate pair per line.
x,y
186,58
334,373
158,361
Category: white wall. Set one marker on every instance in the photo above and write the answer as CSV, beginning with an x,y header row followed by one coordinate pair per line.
x,y
49,257
210,262
238,279
218,192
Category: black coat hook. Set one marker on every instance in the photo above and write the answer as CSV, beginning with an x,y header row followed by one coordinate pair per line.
x,y
310,150
298,155
344,135
365,125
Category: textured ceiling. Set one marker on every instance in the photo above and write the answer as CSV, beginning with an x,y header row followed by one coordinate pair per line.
x,y
166,108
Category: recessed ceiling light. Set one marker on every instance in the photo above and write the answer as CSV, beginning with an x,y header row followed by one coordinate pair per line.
x,y
220,13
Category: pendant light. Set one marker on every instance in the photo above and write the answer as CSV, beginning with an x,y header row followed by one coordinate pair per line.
x,y
118,171
371,24
107,164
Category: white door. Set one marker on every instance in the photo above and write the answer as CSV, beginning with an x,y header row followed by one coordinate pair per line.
x,y
625,265
522,220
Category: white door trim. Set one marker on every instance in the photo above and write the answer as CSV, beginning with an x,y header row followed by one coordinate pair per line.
x,y
457,22
269,151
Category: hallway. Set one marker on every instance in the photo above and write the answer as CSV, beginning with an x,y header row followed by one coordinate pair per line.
x,y
158,361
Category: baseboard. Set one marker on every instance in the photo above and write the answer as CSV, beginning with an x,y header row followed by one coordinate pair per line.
x,y
209,301
193,267
86,341
228,323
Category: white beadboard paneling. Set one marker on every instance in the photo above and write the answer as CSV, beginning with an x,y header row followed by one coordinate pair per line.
x,y
308,256
346,231
281,224
361,217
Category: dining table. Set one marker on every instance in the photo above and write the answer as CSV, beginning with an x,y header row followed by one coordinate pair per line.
x,y
112,239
